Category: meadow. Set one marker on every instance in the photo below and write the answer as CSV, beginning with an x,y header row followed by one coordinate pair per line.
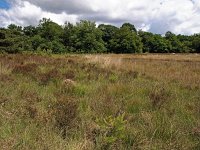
x,y
108,101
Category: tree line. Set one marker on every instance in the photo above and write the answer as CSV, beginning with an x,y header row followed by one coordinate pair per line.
x,y
86,37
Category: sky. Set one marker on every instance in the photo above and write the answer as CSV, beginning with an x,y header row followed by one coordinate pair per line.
x,y
4,4
157,16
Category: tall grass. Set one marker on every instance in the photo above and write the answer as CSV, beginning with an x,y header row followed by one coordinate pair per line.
x,y
99,102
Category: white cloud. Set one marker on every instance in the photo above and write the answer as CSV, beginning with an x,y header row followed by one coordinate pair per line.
x,y
25,13
58,6
158,16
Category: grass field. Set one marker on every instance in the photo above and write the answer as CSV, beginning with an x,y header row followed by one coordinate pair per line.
x,y
86,102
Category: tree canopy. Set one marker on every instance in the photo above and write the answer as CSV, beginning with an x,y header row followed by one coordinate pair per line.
x,y
86,37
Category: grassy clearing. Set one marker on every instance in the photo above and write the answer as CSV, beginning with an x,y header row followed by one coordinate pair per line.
x,y
100,102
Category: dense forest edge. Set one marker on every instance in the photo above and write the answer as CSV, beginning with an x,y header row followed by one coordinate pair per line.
x,y
86,37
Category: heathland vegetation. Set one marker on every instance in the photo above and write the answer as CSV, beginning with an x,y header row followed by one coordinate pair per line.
x,y
86,37
85,102
80,101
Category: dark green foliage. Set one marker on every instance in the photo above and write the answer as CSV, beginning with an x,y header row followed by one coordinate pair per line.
x,y
37,40
130,26
175,44
160,45
196,43
13,41
154,43
108,34
68,34
49,30
30,31
14,27
85,37
126,41
57,47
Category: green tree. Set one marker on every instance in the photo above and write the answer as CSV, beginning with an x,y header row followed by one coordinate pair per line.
x,y
130,26
147,40
12,40
36,41
87,38
49,37
196,43
108,33
14,27
154,43
68,36
126,40
176,45
58,47
160,45
187,43
50,30
30,31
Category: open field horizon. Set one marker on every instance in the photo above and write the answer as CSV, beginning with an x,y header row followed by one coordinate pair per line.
x,y
100,101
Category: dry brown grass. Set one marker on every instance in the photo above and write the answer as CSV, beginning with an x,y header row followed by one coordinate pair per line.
x,y
179,68
99,102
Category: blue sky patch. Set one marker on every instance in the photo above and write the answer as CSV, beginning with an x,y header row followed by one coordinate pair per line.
x,y
4,4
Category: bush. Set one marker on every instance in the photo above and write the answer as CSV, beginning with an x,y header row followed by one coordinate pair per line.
x,y
65,112
28,69
159,96
112,130
113,78
57,47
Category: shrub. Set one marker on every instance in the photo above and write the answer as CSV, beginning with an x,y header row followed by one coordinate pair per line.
x,y
27,69
113,78
57,47
133,74
80,90
159,96
112,130
70,74
65,112
46,77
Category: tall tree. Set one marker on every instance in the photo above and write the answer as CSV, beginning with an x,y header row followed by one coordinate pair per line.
x,y
126,40
130,26
50,30
87,38
176,45
154,43
30,31
108,33
67,36
12,40
52,33
196,43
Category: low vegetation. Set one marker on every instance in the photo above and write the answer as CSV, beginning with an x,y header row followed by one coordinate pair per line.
x,y
83,102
